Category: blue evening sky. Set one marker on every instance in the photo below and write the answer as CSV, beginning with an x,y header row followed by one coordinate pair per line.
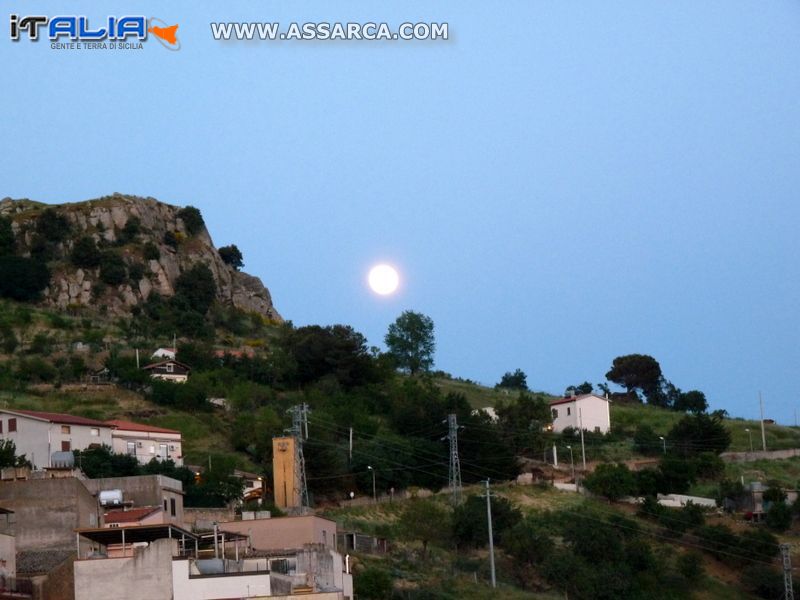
x,y
560,183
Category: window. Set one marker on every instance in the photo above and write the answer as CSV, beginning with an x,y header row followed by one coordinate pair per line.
x,y
12,425
1,426
66,429
569,411
66,446
172,506
131,448
165,505
152,449
162,451
95,431
170,367
555,413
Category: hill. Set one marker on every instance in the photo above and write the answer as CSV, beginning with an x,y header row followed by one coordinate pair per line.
x,y
114,252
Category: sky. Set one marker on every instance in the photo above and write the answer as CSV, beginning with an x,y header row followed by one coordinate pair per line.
x,y
559,183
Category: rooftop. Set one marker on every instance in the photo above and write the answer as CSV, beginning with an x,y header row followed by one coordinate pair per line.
x,y
130,516
131,426
58,418
575,398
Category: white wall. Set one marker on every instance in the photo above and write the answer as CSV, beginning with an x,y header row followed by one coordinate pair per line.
x,y
594,413
38,439
209,588
150,445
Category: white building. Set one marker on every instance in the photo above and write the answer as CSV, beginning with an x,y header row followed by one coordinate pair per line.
x,y
38,435
587,412
146,442
165,353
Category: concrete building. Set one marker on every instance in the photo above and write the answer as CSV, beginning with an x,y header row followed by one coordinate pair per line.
x,y
39,435
281,533
8,547
47,512
145,491
163,563
133,517
587,412
146,442
168,370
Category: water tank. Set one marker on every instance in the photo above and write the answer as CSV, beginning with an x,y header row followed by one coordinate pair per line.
x,y
111,498
210,566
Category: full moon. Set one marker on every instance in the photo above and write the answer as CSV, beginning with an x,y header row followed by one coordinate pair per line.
x,y
383,279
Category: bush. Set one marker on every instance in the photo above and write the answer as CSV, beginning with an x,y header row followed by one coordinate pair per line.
x,y
151,251
197,288
231,255
690,565
763,581
136,272
53,227
374,583
612,481
779,516
112,268
170,239
22,278
85,253
192,219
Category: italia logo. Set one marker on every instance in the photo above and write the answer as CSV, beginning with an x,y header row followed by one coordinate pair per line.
x,y
73,28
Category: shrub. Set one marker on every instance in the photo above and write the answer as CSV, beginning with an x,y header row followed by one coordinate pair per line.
x,y
136,272
22,278
85,253
690,565
52,226
112,268
6,237
779,516
192,219
611,481
763,581
151,251
374,583
231,255
170,239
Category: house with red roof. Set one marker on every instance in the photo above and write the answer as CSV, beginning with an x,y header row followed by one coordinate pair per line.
x,y
586,411
146,442
41,435
168,370
133,517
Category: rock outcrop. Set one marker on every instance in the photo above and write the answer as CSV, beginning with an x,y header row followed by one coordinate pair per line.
x,y
159,225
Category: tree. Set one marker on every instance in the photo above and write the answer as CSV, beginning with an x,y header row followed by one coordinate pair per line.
x,y
612,481
85,253
192,219
104,462
469,520
22,278
514,381
411,342
9,457
527,542
231,255
52,226
694,434
197,287
425,520
636,372
6,237
583,388
646,441
693,401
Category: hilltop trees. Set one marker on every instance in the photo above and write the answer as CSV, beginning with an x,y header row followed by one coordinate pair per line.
x,y
514,381
693,401
636,372
411,343
192,219
694,434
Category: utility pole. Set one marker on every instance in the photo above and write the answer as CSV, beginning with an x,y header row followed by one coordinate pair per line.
x,y
788,591
491,538
351,445
454,476
763,434
583,446
299,431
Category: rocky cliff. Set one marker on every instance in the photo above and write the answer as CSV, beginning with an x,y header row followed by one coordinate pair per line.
x,y
153,241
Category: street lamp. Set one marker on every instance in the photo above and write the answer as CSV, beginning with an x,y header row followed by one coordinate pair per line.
x,y
750,434
572,463
374,495
664,442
